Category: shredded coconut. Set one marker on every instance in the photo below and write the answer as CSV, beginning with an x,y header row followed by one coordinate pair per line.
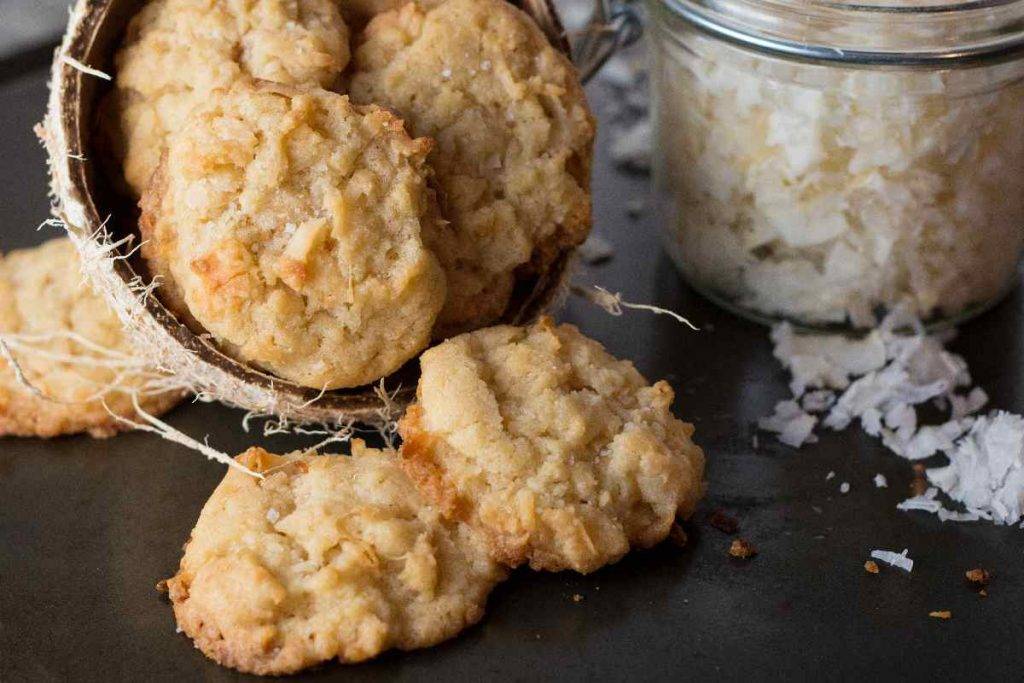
x,y
791,423
823,194
844,488
881,380
894,559
986,469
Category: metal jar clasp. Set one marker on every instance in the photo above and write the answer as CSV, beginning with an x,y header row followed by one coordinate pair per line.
x,y
614,25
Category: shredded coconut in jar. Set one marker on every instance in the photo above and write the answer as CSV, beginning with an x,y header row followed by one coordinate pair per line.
x,y
823,193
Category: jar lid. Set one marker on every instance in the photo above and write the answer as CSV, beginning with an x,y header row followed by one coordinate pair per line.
x,y
880,32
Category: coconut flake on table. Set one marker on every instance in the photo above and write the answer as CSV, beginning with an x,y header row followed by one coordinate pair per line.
x,y
880,481
794,426
986,469
894,559
880,380
825,361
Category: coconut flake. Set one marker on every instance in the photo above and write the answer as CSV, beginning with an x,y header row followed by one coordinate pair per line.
x,y
881,378
962,406
986,469
825,361
818,401
880,481
894,559
926,502
844,488
791,423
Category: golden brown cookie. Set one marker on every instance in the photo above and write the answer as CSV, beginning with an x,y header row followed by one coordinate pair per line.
x,y
176,51
329,557
563,456
514,140
70,346
288,223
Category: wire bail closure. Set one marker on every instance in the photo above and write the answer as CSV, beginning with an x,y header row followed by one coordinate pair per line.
x,y
614,25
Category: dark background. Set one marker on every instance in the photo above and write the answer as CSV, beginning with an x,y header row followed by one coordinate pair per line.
x,y
88,527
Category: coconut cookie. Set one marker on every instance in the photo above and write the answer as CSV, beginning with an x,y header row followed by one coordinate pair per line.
x,y
288,223
70,347
514,140
563,456
176,51
328,557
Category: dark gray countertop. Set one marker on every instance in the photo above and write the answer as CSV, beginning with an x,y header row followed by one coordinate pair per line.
x,y
88,527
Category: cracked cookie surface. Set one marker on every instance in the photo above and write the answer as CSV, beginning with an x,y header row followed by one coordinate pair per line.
x,y
175,52
514,140
287,222
561,455
329,557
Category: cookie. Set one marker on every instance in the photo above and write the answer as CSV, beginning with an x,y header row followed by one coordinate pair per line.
x,y
287,222
561,455
514,140
43,302
329,557
176,51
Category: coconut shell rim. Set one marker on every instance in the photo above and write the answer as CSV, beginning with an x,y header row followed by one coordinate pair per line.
x,y
214,374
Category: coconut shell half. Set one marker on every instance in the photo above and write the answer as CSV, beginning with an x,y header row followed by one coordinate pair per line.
x,y
103,225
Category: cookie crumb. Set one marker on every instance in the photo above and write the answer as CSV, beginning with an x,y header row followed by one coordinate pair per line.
x,y
941,614
723,522
677,535
741,549
577,597
978,576
983,593
919,484
161,586
871,567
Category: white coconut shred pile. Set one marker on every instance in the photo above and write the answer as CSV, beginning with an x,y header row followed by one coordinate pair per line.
x,y
881,381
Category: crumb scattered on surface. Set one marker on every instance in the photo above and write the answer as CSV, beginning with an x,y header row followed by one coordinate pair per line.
x,y
919,484
978,576
742,549
577,597
941,614
871,567
724,522
844,487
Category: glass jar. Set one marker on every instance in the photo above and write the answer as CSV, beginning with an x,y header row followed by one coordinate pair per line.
x,y
822,162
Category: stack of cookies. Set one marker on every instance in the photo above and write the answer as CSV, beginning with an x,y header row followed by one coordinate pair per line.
x,y
327,189
526,445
